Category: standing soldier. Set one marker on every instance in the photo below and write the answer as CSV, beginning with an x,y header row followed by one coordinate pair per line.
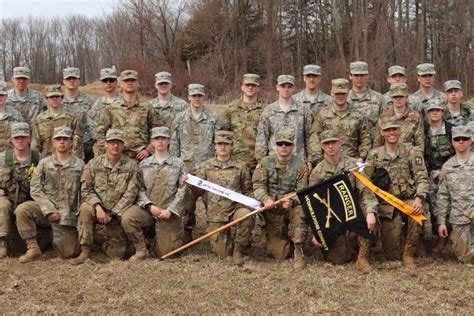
x,y
426,77
29,102
55,189
166,104
311,95
8,115
455,203
396,74
276,176
55,116
16,168
132,114
457,113
242,117
349,123
109,187
408,182
162,192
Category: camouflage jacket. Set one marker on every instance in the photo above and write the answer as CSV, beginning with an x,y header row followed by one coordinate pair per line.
x,y
325,170
388,103
242,119
322,100
465,116
56,187
273,119
411,125
438,146
79,108
43,128
161,184
167,112
10,115
419,102
231,174
94,113
29,106
371,105
353,130
114,187
455,197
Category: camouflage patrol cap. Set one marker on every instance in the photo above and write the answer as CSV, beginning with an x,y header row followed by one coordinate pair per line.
x,y
282,79
452,84
62,131
328,136
251,79
163,77
285,136
196,88
425,69
223,137
161,131
108,73
53,90
461,131
21,72
3,88
115,134
340,85
71,72
388,122
20,129
128,74
394,70
359,68
435,104
312,70
398,89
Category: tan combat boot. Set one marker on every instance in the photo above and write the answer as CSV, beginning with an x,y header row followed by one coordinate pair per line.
x,y
408,256
3,248
141,252
298,257
188,235
33,251
238,256
85,254
362,263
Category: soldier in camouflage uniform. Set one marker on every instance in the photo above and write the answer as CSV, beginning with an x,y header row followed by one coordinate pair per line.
x,y
132,114
242,117
283,114
408,182
396,74
166,104
410,121
426,77
109,188
55,116
455,203
367,101
55,188
27,101
276,176
16,167
8,115
335,163
162,192
351,125
456,113
311,95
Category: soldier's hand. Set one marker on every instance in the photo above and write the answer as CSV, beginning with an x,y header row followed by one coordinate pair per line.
x,y
165,215
2,193
155,211
100,215
268,203
316,243
53,217
442,231
142,154
418,206
310,167
371,222
287,203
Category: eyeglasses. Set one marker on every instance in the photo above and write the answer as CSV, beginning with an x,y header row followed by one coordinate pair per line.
x,y
109,80
281,144
458,139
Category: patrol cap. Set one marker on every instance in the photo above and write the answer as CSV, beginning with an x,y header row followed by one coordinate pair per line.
x,y
285,136
161,131
282,79
312,70
328,136
435,104
163,77
71,72
425,69
3,88
251,79
398,89
393,70
359,68
452,84
62,131
223,137
340,85
115,134
20,129
388,122
21,72
196,88
128,74
108,73
53,90
461,131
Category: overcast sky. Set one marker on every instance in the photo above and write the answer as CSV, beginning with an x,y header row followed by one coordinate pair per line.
x,y
49,8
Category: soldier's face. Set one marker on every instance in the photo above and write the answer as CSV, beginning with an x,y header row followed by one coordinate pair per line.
x,y
3,98
223,150
311,81
62,144
114,147
54,101
163,87
285,90
462,144
21,83
426,81
250,90
435,115
454,96
109,84
71,83
284,150
340,98
391,135
20,142
160,143
399,101
397,78
331,148
129,85
196,100
359,81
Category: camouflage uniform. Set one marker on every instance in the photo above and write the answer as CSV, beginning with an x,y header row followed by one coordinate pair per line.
x,y
387,97
29,106
370,104
465,115
9,116
167,112
96,111
79,108
419,101
321,100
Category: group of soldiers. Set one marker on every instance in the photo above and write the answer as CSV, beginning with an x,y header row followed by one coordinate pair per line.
x,y
80,167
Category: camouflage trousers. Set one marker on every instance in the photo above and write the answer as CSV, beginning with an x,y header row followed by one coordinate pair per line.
x,y
189,210
280,226
222,243
6,216
432,197
462,237
342,249
29,215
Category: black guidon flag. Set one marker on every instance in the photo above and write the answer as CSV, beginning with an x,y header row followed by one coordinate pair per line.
x,y
331,207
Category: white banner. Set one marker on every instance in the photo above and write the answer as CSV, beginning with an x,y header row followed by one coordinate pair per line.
x,y
217,189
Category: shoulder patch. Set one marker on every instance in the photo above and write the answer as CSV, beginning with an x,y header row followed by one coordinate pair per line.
x,y
418,161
